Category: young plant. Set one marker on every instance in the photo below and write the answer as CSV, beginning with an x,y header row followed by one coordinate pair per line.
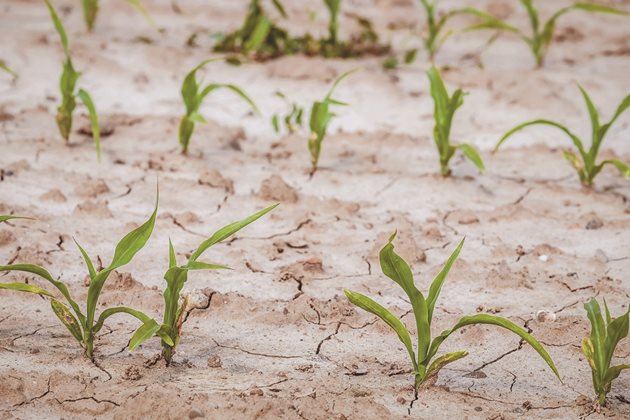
x,y
193,95
259,34
542,35
585,162
319,120
67,86
177,276
599,348
85,325
444,111
334,6
90,10
425,367
435,35
293,119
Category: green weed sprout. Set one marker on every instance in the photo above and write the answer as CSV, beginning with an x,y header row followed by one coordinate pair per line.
x,y
444,111
193,95
85,326
7,69
542,35
435,35
177,276
586,163
293,119
90,10
599,348
319,120
67,86
425,367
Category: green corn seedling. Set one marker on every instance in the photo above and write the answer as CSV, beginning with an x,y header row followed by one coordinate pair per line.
x,y
193,95
599,348
436,25
319,120
542,34
334,6
425,365
177,276
90,10
85,326
67,86
585,162
293,119
444,111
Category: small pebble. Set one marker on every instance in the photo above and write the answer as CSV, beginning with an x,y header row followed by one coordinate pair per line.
x,y
214,361
545,316
256,391
544,258
195,414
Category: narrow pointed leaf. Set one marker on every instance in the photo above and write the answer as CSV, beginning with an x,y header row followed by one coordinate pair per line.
x,y
96,131
442,361
88,261
199,265
59,27
227,231
471,153
142,334
438,281
67,319
24,287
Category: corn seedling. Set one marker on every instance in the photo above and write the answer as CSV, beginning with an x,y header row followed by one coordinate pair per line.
x,y
90,10
585,162
67,86
436,33
425,367
177,276
444,111
85,326
333,6
293,119
193,95
599,348
319,120
542,34
5,218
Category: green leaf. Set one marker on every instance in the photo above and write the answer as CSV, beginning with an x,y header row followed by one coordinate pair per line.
x,y
280,8
438,281
574,160
337,81
471,153
88,261
599,8
395,267
67,319
59,27
117,310
622,167
623,106
172,258
196,117
396,324
134,241
43,273
24,287
598,334
3,66
614,372
140,8
616,331
142,334
227,231
592,112
198,265
532,13
259,35
410,56
576,141
500,322
96,131
243,95
4,218
442,361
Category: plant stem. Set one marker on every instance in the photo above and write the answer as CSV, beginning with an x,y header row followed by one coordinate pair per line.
x,y
89,348
601,398
167,353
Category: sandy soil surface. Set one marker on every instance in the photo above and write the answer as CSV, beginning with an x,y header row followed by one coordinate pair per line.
x,y
275,337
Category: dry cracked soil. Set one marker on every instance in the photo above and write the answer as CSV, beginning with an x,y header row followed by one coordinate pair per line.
x,y
275,337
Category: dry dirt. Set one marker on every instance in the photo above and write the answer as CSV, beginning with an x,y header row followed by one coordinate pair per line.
x,y
275,337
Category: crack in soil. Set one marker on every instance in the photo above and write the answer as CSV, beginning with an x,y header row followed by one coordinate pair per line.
x,y
28,334
26,402
203,308
295,229
319,346
71,400
102,369
415,398
253,353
